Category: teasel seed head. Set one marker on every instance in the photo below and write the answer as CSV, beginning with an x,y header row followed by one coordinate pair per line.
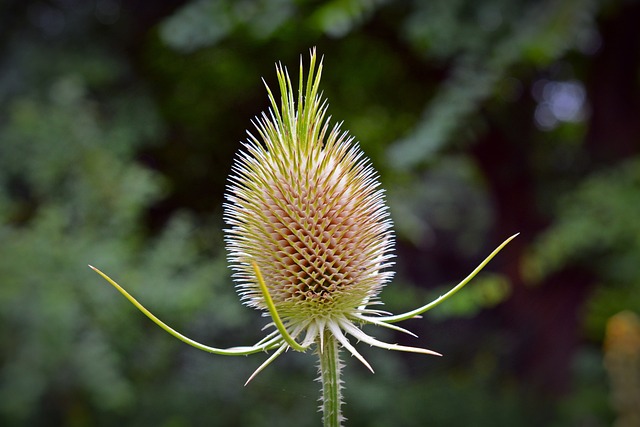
x,y
306,206
310,238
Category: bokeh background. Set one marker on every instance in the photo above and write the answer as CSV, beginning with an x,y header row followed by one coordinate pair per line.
x,y
119,121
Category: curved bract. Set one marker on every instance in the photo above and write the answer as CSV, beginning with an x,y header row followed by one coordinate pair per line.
x,y
282,340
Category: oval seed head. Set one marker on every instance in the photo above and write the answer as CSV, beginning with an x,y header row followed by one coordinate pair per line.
x,y
305,205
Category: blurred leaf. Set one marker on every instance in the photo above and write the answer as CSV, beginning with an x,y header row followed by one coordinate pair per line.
x,y
596,222
488,47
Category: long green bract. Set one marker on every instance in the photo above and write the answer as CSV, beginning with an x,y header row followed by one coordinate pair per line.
x,y
274,313
232,351
442,298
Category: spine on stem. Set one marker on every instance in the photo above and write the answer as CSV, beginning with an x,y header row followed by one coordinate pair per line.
x,y
330,369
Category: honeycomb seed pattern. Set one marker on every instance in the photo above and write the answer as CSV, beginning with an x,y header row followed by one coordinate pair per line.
x,y
305,205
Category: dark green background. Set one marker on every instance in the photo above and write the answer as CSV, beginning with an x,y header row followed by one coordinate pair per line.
x,y
119,121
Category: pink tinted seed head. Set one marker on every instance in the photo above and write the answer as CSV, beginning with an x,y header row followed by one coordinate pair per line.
x,y
306,206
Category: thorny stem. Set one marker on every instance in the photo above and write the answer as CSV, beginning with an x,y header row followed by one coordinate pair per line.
x,y
330,367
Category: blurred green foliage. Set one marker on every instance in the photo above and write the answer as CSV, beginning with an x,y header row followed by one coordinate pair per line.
x,y
597,227
119,123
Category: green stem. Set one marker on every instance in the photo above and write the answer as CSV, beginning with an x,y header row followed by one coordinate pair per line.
x,y
330,366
